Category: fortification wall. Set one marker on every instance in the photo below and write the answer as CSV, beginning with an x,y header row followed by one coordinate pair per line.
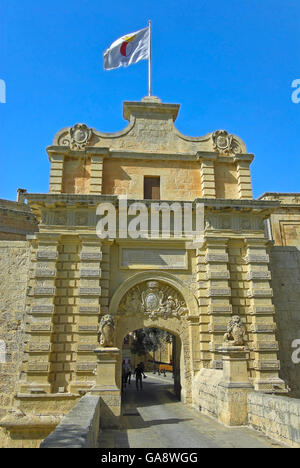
x,y
285,267
14,261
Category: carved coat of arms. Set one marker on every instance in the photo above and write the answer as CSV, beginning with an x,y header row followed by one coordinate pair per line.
x,y
223,142
77,137
154,299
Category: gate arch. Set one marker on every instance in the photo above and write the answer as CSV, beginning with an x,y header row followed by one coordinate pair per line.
x,y
172,315
154,275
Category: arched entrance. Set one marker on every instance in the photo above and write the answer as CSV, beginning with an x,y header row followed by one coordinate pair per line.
x,y
158,351
159,300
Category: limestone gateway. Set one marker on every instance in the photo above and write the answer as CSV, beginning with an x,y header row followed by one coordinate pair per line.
x,y
230,296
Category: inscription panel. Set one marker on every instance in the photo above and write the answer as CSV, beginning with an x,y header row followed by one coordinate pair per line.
x,y
153,259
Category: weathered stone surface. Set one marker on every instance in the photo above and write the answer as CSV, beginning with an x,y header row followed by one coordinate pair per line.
x,y
90,273
285,268
89,291
275,416
91,256
38,367
17,221
44,291
46,255
79,428
216,258
42,310
14,264
89,310
87,347
86,366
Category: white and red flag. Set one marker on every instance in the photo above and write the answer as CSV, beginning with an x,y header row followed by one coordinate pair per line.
x,y
128,49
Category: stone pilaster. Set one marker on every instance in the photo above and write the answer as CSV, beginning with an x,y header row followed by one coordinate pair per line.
x,y
203,301
218,293
193,323
88,310
208,184
56,172
105,277
244,177
40,307
96,174
264,346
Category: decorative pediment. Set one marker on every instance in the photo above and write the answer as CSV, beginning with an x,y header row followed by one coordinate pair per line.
x,y
151,129
153,299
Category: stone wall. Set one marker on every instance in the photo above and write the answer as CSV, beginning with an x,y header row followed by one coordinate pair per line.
x,y
16,220
285,267
205,391
285,220
79,428
179,180
277,417
13,282
223,400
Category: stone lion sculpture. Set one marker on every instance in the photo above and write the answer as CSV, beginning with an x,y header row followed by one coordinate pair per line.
x,y
106,331
236,332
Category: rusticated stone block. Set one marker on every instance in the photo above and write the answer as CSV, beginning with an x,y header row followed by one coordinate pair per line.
x,y
86,366
215,328
88,328
219,309
44,291
260,292
42,310
221,274
38,367
40,327
266,365
90,273
39,347
266,346
85,347
263,328
253,258
262,310
91,256
258,275
89,291
216,258
212,292
45,273
89,310
46,255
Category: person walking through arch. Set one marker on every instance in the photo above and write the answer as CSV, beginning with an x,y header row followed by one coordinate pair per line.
x,y
139,377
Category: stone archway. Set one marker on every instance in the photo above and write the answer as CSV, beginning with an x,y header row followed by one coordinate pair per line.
x,y
157,300
180,389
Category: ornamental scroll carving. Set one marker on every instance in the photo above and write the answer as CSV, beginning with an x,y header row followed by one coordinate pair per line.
x,y
77,137
225,143
153,299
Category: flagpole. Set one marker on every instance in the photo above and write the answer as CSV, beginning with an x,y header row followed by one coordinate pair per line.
x,y
150,60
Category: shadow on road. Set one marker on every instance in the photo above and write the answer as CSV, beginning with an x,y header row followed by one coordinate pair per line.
x,y
154,393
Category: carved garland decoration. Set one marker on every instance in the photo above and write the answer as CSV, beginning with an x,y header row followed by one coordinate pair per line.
x,y
153,299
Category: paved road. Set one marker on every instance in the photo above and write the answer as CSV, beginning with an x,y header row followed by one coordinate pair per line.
x,y
153,418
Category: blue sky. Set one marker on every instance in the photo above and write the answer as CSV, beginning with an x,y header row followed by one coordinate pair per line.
x,y
230,64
